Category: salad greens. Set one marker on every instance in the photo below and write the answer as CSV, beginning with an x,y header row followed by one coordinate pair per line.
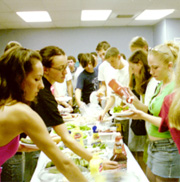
x,y
100,145
118,109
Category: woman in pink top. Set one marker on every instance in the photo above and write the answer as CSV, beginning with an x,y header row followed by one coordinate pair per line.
x,y
21,74
170,111
9,149
167,120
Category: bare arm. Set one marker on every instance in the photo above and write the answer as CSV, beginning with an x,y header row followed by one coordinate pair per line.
x,y
70,90
78,97
102,89
65,104
62,131
77,148
137,114
109,104
137,103
34,127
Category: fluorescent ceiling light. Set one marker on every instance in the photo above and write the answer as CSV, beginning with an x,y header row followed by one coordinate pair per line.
x,y
154,14
95,15
34,16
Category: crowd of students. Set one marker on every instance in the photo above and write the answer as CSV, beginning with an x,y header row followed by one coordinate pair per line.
x,y
150,75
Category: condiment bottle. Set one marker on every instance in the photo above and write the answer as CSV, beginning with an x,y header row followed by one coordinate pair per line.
x,y
119,153
121,91
95,136
96,165
77,134
118,127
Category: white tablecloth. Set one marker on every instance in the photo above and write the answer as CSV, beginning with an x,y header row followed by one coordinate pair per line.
x,y
132,166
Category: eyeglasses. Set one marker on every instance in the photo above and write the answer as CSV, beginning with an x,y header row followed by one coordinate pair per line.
x,y
62,68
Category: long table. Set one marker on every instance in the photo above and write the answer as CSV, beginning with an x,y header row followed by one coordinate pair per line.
x,y
132,167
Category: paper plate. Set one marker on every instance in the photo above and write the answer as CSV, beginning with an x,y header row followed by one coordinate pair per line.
x,y
31,146
64,98
108,118
73,117
122,113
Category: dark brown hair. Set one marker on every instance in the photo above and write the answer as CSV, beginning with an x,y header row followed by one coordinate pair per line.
x,y
102,45
144,77
79,57
94,53
112,52
87,58
15,64
48,53
72,58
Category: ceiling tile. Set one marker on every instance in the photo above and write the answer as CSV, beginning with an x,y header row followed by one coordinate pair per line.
x,y
4,7
70,23
15,25
65,15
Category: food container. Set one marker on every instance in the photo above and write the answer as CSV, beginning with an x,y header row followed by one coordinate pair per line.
x,y
51,174
124,127
110,146
46,176
96,165
108,136
116,176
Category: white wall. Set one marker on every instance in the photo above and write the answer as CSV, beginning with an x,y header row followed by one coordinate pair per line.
x,y
160,33
166,30
76,40
173,29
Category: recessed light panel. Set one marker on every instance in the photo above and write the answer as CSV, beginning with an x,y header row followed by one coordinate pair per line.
x,y
154,14
34,16
95,15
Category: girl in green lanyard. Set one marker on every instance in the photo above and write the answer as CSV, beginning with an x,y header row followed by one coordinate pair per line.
x,y
163,158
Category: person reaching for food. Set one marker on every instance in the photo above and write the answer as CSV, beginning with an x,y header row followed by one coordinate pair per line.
x,y
21,74
55,62
121,75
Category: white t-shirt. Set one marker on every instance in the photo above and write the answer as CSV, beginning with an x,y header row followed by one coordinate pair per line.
x,y
122,77
106,73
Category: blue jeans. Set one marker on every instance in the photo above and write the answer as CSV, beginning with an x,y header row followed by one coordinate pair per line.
x,y
13,169
31,159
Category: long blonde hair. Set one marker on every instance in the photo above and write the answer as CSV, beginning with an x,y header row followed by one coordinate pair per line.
x,y
167,52
174,111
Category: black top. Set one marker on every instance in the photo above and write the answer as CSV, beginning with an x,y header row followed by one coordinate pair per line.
x,y
87,82
46,106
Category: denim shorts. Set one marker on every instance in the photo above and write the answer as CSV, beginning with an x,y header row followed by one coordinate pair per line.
x,y
163,158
